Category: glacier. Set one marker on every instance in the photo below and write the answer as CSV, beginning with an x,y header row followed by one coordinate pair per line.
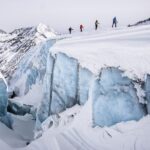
x,y
30,71
43,110
23,57
79,92
66,84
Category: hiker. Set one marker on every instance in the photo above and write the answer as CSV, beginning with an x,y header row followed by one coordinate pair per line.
x,y
81,28
114,22
96,24
70,30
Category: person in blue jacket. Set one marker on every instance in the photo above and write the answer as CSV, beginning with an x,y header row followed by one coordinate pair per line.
x,y
114,22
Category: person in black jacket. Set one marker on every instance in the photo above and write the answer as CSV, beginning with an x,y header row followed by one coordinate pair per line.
x,y
70,30
96,24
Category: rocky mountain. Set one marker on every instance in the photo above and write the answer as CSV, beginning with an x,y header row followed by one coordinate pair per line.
x,y
14,45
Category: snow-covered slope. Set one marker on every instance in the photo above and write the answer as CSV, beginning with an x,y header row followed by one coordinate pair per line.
x,y
72,130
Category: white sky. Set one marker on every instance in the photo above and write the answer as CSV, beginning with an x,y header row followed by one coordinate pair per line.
x,y
60,14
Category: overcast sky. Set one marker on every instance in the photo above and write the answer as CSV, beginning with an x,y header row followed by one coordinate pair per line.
x,y
60,14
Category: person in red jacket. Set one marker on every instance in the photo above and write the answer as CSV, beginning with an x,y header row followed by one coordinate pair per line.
x,y
81,28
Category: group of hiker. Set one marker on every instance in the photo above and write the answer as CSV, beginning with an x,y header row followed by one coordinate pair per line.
x,y
114,23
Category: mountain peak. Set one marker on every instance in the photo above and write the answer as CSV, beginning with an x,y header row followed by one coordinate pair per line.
x,y
45,30
42,26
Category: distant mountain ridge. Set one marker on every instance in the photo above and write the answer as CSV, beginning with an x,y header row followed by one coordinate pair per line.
x,y
2,32
143,22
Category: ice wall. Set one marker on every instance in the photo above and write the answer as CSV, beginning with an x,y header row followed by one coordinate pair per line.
x,y
3,98
65,84
4,116
147,92
64,87
115,99
85,79
114,96
44,108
